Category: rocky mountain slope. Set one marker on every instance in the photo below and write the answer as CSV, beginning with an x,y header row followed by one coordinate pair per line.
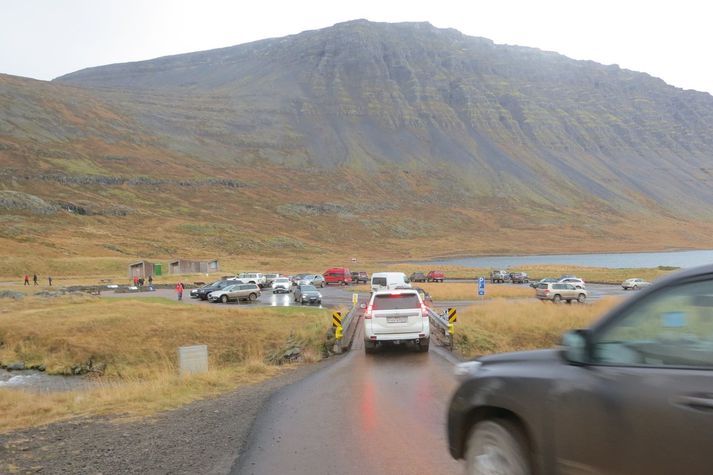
x,y
422,138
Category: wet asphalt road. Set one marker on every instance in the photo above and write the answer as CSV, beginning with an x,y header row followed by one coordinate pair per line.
x,y
381,414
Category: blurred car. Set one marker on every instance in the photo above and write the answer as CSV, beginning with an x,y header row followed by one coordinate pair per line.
x,y
559,291
307,294
418,277
337,275
360,277
577,282
542,281
499,276
519,278
629,395
425,296
233,293
202,293
270,278
634,284
281,284
252,278
435,276
312,279
297,277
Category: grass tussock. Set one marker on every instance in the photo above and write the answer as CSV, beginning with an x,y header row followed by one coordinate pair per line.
x,y
130,347
502,325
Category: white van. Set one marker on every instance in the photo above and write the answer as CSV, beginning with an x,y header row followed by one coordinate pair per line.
x,y
388,281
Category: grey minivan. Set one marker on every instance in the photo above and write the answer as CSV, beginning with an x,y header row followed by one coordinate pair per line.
x,y
631,395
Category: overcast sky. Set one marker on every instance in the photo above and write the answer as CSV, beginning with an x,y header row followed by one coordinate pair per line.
x,y
44,39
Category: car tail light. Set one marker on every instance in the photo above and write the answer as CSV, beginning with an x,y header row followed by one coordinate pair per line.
x,y
367,314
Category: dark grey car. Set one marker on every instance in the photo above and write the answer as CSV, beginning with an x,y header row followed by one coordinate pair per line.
x,y
307,294
632,395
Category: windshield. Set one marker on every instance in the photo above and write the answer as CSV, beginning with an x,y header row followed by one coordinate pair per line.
x,y
396,301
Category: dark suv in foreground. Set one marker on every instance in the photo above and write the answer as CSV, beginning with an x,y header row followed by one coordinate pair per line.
x,y
631,395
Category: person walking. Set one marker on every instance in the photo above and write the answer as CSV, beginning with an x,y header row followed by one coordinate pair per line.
x,y
150,280
136,281
27,279
179,290
49,279
34,279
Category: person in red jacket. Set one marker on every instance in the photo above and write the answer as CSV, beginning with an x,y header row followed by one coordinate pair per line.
x,y
27,279
179,290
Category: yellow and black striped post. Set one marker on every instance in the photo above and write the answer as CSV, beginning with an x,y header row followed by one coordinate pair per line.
x,y
452,315
337,324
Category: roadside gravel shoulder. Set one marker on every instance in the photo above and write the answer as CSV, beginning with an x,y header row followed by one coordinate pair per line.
x,y
206,436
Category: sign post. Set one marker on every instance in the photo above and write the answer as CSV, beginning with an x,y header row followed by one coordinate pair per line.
x,y
481,287
337,324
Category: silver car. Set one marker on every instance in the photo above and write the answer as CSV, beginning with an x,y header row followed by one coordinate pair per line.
x,y
312,279
281,284
236,292
557,292
634,284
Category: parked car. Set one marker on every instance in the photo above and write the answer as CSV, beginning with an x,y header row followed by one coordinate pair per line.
x,y
629,395
312,279
519,278
297,277
395,317
233,293
425,296
388,280
360,277
542,281
270,278
307,294
499,276
435,276
634,284
418,277
559,291
204,291
281,284
252,278
337,275
577,282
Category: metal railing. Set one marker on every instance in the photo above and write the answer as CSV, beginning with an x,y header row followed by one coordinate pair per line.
x,y
349,326
441,321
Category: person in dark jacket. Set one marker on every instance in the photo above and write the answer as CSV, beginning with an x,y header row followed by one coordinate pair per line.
x,y
34,279
49,279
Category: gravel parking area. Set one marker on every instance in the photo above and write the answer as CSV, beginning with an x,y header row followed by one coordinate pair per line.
x,y
203,437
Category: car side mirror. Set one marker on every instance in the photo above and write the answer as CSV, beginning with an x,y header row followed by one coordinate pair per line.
x,y
362,306
576,347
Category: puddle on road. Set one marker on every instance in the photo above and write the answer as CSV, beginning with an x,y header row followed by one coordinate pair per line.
x,y
37,381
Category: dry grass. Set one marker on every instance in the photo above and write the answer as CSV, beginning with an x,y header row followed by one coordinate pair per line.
x,y
138,340
469,291
502,326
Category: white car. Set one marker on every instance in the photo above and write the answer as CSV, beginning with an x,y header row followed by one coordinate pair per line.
x,y
252,278
395,317
388,280
634,284
281,284
577,282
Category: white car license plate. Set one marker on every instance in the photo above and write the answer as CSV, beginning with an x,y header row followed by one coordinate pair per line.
x,y
396,319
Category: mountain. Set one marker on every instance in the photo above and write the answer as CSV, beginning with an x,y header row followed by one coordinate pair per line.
x,y
400,133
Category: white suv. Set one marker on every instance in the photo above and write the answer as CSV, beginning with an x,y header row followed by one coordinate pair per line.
x,y
252,278
394,317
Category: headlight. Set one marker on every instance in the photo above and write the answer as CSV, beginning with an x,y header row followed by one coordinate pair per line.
x,y
319,295
465,371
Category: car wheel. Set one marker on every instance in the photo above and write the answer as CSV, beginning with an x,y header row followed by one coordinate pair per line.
x,y
556,299
636,287
224,298
581,298
252,297
496,446
369,347
423,346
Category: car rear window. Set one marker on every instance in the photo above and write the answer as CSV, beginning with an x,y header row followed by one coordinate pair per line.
x,y
379,281
396,301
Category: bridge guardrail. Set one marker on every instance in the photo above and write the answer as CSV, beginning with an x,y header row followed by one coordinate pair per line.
x,y
442,322
349,326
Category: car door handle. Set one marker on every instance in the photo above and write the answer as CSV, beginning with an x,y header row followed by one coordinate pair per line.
x,y
700,403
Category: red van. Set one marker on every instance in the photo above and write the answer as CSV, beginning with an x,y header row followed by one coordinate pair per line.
x,y
337,275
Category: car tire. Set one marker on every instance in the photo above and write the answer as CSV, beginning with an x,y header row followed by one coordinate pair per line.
x,y
636,287
369,347
321,285
496,446
581,298
556,299
224,298
252,297
423,347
